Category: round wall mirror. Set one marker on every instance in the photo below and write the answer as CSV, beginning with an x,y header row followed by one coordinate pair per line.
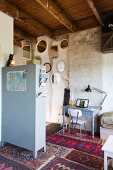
x,y
41,46
60,66
64,43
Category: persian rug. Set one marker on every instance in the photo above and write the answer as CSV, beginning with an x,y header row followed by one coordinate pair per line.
x,y
86,159
58,145
86,136
24,157
7,164
60,163
53,128
85,146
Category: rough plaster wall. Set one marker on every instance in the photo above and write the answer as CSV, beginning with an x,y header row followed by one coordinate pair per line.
x,y
85,65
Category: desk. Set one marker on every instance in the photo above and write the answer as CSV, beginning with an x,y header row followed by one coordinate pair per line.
x,y
90,111
108,151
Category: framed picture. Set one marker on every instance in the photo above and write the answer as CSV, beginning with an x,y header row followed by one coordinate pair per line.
x,y
27,51
82,103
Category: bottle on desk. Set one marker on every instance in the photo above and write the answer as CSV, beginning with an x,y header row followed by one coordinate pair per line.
x,y
71,100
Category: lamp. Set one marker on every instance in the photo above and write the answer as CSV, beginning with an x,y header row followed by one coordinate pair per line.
x,y
89,89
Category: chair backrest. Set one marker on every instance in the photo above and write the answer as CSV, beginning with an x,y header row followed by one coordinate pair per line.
x,y
75,112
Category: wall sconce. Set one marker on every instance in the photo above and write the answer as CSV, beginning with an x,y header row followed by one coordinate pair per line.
x,y
89,89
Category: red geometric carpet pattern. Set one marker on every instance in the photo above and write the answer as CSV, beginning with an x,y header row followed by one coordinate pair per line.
x,y
63,164
62,146
86,136
85,146
86,159
24,157
8,164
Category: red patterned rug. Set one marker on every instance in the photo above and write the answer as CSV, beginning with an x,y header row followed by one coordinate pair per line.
x,y
86,159
86,136
13,155
85,146
58,145
60,164
7,164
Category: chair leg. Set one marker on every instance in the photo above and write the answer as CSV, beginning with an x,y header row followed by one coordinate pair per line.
x,y
75,125
85,127
70,125
80,132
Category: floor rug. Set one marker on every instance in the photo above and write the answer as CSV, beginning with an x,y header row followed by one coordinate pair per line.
x,y
86,159
85,146
53,128
25,157
60,164
86,136
7,164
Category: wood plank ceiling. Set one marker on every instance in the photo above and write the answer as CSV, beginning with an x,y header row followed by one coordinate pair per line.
x,y
33,18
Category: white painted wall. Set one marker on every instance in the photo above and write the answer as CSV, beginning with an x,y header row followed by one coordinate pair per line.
x,y
55,91
58,89
107,80
46,59
6,47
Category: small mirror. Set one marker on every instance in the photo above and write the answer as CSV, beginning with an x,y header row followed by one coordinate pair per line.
x,y
27,51
41,46
61,66
64,43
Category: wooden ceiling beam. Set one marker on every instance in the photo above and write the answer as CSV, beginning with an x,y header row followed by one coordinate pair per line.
x,y
83,24
96,11
54,9
17,42
23,35
14,12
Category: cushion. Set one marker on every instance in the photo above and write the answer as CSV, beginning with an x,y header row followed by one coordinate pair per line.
x,y
107,120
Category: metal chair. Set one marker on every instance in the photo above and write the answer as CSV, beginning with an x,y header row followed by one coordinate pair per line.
x,y
76,118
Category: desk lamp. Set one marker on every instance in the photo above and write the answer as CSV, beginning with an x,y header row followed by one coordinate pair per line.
x,y
89,89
